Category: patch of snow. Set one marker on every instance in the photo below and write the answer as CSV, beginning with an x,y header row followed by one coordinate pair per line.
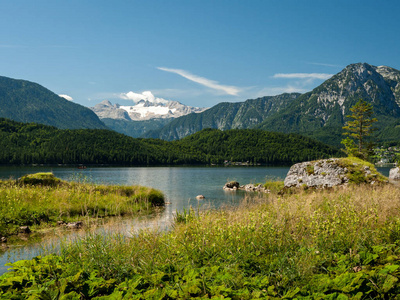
x,y
149,110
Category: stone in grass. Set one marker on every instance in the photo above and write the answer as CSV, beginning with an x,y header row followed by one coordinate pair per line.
x,y
394,173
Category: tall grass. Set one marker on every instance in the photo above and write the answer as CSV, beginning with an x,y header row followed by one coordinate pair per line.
x,y
342,243
23,203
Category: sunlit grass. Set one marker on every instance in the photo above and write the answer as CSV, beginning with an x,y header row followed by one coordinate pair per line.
x,y
344,241
25,204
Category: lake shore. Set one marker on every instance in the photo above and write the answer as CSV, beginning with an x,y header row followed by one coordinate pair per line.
x,y
340,242
41,201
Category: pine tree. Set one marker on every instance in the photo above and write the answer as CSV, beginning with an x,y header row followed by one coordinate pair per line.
x,y
360,128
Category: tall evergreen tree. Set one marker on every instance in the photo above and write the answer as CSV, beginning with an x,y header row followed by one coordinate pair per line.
x,y
359,128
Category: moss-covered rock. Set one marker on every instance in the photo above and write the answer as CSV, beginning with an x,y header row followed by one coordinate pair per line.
x,y
333,172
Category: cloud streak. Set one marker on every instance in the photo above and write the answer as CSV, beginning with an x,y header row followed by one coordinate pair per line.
x,y
212,84
325,65
69,98
322,76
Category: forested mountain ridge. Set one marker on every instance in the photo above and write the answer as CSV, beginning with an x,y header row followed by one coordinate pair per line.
x,y
225,116
322,112
39,144
26,101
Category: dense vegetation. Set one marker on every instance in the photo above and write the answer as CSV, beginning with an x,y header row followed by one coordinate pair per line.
x,y
335,244
41,200
39,144
25,101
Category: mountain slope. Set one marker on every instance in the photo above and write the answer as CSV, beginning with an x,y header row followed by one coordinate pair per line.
x,y
25,101
322,112
225,116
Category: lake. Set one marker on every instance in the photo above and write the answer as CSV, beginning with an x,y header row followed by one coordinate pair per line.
x,y
180,185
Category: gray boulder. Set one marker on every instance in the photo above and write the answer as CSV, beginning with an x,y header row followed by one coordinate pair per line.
x,y
319,174
394,173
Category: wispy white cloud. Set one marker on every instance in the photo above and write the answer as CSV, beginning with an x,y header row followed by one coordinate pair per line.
x,y
69,98
325,65
322,76
146,95
215,85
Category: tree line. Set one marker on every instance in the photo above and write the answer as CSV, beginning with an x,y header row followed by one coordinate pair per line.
x,y
30,143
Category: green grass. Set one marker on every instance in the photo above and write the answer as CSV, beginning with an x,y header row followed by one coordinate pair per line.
x,y
40,200
336,244
274,186
356,172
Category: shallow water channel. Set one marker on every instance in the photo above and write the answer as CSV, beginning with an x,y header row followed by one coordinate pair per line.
x,y
180,185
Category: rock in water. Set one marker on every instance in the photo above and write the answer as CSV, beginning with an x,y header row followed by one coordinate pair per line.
x,y
233,185
200,197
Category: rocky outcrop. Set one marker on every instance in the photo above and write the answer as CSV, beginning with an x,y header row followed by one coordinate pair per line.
x,y
328,173
234,186
394,173
323,173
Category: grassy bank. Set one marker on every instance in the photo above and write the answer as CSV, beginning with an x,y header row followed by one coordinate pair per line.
x,y
41,200
338,244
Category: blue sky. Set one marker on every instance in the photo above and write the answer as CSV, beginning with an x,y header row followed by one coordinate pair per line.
x,y
197,52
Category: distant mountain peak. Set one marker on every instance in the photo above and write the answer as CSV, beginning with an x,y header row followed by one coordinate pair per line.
x,y
144,109
327,105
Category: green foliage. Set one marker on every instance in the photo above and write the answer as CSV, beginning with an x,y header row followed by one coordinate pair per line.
x,y
351,147
274,186
41,200
39,144
359,128
320,245
310,169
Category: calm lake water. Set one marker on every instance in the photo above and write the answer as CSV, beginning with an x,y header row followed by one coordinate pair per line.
x,y
180,185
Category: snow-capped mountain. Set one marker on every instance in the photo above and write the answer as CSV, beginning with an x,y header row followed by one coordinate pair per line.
x,y
144,110
147,113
